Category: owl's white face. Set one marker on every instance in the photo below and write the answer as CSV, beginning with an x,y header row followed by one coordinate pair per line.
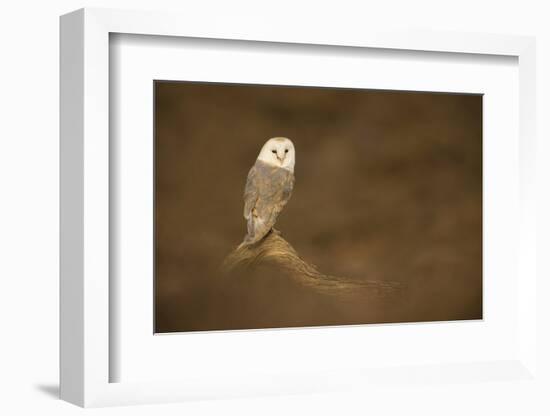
x,y
279,151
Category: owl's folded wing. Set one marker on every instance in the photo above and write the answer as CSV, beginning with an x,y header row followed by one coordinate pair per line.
x,y
250,192
269,206
278,201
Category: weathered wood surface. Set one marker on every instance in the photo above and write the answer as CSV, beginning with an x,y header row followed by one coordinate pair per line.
x,y
275,252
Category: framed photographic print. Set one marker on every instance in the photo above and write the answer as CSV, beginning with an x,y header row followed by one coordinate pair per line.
x,y
371,213
266,213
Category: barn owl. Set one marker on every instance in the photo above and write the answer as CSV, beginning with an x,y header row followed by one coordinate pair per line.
x,y
268,187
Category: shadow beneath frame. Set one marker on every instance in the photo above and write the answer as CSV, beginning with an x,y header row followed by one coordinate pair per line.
x,y
51,390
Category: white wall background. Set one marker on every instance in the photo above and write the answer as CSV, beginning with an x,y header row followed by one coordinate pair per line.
x,y
29,200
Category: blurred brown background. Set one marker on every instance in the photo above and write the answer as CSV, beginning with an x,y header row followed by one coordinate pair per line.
x,y
388,187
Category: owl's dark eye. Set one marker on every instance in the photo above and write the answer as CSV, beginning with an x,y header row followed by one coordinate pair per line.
x,y
273,151
286,150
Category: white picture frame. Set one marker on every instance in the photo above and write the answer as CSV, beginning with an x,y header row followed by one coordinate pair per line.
x,y
85,165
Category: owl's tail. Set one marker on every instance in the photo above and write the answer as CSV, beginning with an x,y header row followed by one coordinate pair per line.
x,y
257,229
250,240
